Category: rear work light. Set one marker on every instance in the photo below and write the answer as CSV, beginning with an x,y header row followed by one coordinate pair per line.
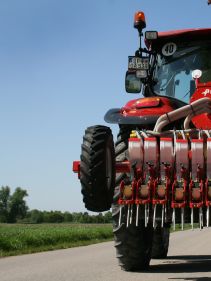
x,y
151,35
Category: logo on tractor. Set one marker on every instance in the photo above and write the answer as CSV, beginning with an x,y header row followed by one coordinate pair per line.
x,y
206,92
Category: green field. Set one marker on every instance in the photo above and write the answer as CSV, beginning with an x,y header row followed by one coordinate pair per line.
x,y
22,239
16,239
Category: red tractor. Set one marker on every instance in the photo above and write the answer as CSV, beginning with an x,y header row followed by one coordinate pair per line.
x,y
158,173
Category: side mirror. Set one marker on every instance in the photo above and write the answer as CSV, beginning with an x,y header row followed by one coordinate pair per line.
x,y
133,84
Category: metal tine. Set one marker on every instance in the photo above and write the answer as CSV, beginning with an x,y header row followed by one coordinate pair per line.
x,y
182,133
128,215
192,218
137,214
182,218
154,215
131,214
163,213
120,215
208,216
200,218
199,134
145,215
173,219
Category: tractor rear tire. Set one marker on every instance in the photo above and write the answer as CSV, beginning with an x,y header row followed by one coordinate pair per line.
x,y
160,242
121,150
133,244
97,169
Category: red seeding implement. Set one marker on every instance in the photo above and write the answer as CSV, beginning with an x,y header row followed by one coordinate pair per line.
x,y
158,172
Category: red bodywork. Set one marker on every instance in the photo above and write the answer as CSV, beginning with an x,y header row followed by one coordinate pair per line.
x,y
148,107
202,121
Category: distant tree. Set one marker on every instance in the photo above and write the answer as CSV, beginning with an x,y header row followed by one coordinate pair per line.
x,y
86,218
100,218
68,217
34,216
12,206
77,217
4,203
46,216
17,205
56,216
108,217
53,217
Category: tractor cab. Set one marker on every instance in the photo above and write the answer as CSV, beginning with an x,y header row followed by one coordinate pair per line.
x,y
165,67
177,57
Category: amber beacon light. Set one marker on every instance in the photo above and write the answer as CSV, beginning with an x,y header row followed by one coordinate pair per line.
x,y
139,20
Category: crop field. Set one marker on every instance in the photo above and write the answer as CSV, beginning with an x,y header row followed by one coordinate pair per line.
x,y
22,239
17,239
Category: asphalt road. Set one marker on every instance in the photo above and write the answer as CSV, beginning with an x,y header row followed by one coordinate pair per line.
x,y
189,259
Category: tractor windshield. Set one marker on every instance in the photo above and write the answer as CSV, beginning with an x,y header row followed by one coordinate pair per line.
x,y
172,74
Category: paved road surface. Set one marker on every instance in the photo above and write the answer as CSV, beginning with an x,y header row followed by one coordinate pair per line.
x,y
189,259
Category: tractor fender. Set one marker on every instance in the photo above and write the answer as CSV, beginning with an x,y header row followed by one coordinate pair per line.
x,y
142,111
115,116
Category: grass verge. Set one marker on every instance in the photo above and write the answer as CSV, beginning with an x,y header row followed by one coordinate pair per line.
x,y
24,239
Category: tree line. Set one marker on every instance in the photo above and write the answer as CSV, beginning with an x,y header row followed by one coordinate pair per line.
x,y
36,216
13,209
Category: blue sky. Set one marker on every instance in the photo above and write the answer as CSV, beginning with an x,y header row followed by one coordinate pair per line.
x,y
62,66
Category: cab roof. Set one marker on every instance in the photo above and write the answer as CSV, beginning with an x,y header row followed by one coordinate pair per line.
x,y
184,34
196,32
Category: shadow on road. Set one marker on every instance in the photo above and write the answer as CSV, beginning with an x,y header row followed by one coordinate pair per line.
x,y
185,264
193,278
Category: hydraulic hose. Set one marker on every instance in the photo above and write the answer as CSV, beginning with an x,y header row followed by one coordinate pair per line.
x,y
197,107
